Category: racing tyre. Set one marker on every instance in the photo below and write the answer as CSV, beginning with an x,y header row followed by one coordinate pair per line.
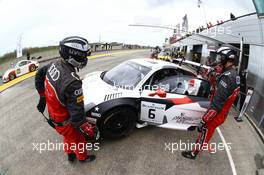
x,y
12,76
32,68
118,123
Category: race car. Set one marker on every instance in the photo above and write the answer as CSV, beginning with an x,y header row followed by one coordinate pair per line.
x,y
21,68
164,55
142,92
154,54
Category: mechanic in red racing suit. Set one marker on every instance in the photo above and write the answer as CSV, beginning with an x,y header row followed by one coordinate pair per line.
x,y
61,88
227,89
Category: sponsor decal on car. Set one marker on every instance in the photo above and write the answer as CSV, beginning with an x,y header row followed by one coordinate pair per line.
x,y
182,118
96,113
18,71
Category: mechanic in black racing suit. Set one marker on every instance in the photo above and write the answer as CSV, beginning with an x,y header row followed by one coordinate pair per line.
x,y
227,89
61,88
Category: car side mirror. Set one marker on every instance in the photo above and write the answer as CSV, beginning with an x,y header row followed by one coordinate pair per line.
x,y
161,93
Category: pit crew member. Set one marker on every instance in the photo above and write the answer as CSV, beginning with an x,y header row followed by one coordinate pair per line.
x,y
61,88
227,89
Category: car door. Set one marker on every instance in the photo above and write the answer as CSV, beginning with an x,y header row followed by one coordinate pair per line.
x,y
175,102
22,68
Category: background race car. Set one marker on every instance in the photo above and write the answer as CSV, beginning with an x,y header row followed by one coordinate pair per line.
x,y
165,55
21,68
143,92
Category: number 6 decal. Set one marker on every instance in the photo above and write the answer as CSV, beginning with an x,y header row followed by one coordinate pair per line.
x,y
151,113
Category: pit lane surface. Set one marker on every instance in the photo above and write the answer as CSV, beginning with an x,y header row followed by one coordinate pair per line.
x,y
143,152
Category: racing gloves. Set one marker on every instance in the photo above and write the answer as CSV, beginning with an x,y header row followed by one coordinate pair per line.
x,y
90,131
42,103
209,115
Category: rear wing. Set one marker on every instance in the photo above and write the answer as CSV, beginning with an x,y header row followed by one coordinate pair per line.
x,y
192,63
198,67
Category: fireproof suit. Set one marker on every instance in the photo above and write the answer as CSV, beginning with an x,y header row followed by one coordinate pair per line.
x,y
227,89
62,88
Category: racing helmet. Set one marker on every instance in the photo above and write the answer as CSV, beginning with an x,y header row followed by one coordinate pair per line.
x,y
74,50
226,54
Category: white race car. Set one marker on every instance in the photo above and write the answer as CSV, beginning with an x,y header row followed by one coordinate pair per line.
x,y
21,68
143,92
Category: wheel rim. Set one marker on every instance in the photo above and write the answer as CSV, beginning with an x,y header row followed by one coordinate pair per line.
x,y
32,68
12,77
117,124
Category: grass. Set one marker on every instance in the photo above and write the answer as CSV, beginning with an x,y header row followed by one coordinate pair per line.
x,y
12,55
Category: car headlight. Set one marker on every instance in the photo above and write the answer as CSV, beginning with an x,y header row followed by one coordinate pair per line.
x,y
5,78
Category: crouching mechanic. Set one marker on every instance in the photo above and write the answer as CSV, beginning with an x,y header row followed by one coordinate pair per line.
x,y
60,86
227,89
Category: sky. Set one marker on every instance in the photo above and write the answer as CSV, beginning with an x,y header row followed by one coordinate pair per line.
x,y
46,22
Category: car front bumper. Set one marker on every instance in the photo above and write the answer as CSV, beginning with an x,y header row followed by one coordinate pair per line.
x,y
5,80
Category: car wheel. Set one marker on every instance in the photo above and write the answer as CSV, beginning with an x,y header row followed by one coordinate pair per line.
x,y
12,76
32,68
118,123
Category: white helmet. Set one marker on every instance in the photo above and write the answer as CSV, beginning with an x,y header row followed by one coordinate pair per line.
x,y
226,53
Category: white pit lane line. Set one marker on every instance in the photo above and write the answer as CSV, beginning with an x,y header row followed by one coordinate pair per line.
x,y
231,161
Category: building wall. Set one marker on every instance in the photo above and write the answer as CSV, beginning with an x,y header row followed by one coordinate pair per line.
x,y
256,67
256,80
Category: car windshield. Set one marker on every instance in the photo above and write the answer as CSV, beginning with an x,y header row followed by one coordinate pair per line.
x,y
127,74
19,64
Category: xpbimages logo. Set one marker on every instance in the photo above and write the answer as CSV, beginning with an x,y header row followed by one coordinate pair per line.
x,y
183,146
57,146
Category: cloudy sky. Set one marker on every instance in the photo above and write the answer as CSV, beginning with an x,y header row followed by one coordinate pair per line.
x,y
46,22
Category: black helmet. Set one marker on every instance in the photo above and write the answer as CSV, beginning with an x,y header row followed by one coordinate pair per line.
x,y
74,50
226,54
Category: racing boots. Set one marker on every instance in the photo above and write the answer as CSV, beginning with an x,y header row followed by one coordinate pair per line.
x,y
89,158
189,154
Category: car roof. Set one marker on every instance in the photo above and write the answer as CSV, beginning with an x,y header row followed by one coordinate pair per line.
x,y
22,61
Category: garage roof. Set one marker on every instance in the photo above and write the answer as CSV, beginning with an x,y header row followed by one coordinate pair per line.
x,y
249,26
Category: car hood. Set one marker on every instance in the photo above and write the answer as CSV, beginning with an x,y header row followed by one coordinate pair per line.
x,y
96,91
